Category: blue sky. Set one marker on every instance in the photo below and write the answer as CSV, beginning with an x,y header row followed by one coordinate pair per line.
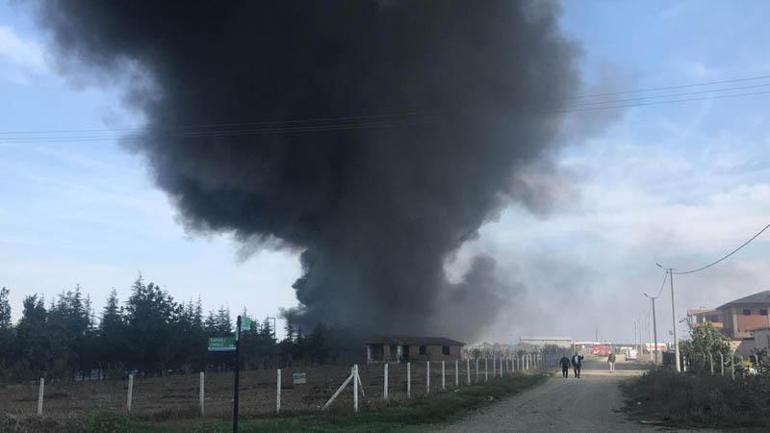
x,y
677,183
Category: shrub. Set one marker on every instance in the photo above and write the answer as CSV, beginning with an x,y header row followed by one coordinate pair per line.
x,y
701,400
107,422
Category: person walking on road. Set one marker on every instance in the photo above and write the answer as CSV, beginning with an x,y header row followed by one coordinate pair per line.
x,y
564,362
611,362
577,364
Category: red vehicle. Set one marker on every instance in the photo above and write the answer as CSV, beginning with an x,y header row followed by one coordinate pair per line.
x,y
600,350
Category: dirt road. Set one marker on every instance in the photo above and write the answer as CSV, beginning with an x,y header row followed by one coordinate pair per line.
x,y
588,404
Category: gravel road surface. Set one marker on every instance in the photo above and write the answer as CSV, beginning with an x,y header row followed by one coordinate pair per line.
x,y
589,404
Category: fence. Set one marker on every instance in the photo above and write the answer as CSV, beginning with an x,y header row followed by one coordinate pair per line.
x,y
262,392
731,365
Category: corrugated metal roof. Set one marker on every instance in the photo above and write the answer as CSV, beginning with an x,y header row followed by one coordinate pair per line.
x,y
757,298
413,340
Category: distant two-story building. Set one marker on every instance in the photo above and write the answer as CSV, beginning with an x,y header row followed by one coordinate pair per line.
x,y
738,318
742,316
744,321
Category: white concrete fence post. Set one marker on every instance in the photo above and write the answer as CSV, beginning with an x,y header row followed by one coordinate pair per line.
x,y
477,370
443,375
354,374
457,373
711,364
130,396
732,365
385,384
408,380
40,394
427,377
278,391
468,369
722,363
201,395
486,369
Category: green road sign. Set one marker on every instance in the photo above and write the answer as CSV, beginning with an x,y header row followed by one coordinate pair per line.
x,y
221,344
245,324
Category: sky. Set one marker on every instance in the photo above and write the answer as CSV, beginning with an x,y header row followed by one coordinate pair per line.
x,y
678,184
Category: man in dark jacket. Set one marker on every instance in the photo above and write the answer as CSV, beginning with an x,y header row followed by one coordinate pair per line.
x,y
577,364
564,362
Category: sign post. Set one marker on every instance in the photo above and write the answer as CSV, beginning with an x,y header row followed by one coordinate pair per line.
x,y
236,390
221,344
230,344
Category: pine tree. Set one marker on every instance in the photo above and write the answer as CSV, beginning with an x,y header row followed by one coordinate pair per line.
x,y
6,331
223,321
69,328
150,314
112,345
32,341
5,309
317,345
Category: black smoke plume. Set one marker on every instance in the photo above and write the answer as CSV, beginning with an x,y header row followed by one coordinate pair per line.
x,y
374,136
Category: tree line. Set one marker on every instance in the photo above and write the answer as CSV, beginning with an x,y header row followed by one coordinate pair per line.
x,y
148,334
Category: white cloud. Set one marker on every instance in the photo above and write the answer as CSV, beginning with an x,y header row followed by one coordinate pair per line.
x,y
19,58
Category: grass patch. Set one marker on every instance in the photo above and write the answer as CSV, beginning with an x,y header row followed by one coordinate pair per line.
x,y
687,400
413,416
403,417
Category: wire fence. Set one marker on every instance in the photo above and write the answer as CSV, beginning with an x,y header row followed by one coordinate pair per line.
x,y
179,396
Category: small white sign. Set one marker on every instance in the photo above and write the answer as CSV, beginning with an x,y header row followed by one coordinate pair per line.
x,y
298,378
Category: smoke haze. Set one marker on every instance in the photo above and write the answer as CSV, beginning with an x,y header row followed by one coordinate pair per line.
x,y
441,127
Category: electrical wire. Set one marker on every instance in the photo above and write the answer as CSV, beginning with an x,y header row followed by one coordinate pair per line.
x,y
692,271
668,95
679,86
581,103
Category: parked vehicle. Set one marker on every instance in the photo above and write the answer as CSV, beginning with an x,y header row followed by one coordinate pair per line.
x,y
632,355
601,350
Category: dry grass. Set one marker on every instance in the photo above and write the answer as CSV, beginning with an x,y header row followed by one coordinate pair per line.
x,y
687,400
401,417
176,397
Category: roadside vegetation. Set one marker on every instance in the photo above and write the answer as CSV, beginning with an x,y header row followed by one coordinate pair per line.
x,y
412,416
700,398
150,334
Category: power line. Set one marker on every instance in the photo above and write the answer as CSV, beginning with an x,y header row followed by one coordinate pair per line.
x,y
611,107
390,120
670,95
679,86
725,256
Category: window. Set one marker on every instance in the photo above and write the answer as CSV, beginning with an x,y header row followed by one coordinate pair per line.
x,y
763,312
423,350
445,350
747,312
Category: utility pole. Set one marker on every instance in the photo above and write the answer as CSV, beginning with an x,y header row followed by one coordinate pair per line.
x,y
654,327
673,318
275,323
654,332
670,272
